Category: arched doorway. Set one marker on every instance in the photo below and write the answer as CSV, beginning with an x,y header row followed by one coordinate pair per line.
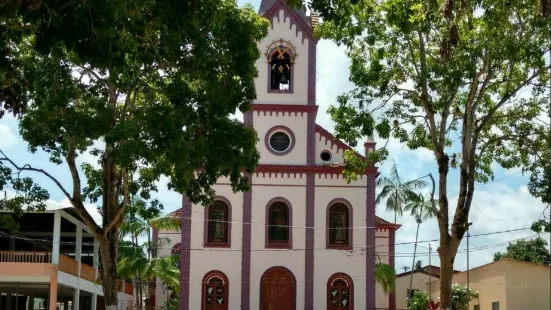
x,y
215,291
340,292
278,289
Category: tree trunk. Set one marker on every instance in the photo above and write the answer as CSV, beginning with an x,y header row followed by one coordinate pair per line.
x,y
108,269
446,276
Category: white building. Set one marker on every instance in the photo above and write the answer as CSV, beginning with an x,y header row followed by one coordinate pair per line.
x,y
51,262
302,238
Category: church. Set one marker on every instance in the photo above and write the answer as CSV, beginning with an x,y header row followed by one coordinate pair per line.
x,y
302,237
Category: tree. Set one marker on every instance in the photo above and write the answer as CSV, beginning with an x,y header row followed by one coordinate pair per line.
x,y
450,77
419,265
419,301
421,207
138,76
461,297
136,260
397,192
533,251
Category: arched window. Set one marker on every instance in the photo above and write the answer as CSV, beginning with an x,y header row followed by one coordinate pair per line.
x,y
278,224
215,291
340,292
339,233
175,251
281,63
218,224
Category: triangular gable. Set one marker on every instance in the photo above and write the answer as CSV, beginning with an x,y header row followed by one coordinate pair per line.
x,y
300,22
341,146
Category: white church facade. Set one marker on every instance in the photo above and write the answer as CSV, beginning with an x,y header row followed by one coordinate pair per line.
x,y
302,237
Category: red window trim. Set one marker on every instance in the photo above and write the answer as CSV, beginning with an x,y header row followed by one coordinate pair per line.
x,y
226,284
275,244
227,219
349,225
346,278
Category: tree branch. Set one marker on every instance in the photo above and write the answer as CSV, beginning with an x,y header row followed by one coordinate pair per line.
x,y
437,145
484,120
28,167
77,203
119,216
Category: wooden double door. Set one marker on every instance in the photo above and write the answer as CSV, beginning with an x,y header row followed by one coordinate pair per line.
x,y
277,290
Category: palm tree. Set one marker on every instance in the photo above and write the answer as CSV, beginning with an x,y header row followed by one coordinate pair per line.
x,y
421,207
136,257
397,192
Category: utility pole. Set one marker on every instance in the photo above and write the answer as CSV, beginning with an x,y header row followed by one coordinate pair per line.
x,y
430,274
468,280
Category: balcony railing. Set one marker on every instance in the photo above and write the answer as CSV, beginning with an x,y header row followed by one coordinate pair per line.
x,y
25,257
87,273
66,264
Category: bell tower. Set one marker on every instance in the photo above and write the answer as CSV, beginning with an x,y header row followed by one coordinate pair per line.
x,y
286,69
285,109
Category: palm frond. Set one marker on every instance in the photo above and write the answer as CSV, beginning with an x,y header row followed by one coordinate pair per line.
x,y
386,276
415,184
394,176
383,181
387,190
165,223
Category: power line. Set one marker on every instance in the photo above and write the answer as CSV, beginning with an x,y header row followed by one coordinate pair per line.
x,y
360,248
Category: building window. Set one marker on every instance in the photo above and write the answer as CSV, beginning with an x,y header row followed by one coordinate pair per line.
x,y
278,224
495,305
279,140
281,76
218,223
338,231
476,307
215,290
340,292
175,251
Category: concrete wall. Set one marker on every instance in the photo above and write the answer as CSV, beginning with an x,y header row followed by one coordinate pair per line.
x,y
419,282
515,285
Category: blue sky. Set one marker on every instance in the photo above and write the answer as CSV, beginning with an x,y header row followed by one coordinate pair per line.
x,y
504,204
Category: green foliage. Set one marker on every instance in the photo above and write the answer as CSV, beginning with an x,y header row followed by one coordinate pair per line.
x,y
152,82
421,208
431,73
419,265
533,251
461,298
419,301
29,196
397,192
385,275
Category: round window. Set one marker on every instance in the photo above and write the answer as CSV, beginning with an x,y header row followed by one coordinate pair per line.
x,y
325,156
280,141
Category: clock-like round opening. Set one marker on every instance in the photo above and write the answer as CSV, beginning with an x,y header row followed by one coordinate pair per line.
x,y
280,141
325,156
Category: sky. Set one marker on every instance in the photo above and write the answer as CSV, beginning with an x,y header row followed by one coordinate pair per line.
x,y
501,210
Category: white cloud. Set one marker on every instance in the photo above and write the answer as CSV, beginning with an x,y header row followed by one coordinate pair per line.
x,y
7,138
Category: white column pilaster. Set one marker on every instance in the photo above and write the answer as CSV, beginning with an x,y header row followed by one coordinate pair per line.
x,y
78,258
57,235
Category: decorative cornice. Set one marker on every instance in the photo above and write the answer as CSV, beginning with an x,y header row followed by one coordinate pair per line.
x,y
302,169
334,141
283,108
